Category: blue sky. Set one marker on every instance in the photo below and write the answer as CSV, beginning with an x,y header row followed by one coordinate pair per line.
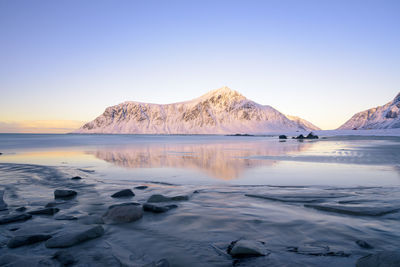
x,y
65,61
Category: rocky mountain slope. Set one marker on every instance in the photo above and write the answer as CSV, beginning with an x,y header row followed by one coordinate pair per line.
x,y
221,111
382,117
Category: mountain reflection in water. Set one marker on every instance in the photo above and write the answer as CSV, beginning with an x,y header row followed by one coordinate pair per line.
x,y
224,160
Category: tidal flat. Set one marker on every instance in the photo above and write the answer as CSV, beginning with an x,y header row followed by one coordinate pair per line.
x,y
158,200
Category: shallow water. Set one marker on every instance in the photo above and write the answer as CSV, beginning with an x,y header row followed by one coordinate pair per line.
x,y
319,196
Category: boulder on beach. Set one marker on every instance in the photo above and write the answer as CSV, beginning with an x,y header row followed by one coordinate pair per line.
x,y
24,240
74,237
311,136
282,136
3,205
76,178
383,259
246,248
45,211
123,193
21,209
14,218
65,217
123,213
158,209
162,198
59,193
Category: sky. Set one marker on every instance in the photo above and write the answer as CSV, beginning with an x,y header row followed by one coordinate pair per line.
x,y
63,62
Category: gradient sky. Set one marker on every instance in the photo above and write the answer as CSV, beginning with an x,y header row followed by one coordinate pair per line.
x,y
63,62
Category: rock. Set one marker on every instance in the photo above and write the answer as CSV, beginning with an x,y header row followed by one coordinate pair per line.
x,y
45,211
363,244
3,205
282,136
76,178
299,137
64,258
64,193
124,193
24,240
123,213
158,209
246,248
14,218
161,198
160,263
382,259
74,237
311,136
65,217
91,219
141,187
20,209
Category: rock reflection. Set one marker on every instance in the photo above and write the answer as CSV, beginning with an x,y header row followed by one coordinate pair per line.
x,y
225,160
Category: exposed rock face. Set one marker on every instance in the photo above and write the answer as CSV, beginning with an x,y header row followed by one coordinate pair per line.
x,y
14,218
24,240
222,111
382,117
246,248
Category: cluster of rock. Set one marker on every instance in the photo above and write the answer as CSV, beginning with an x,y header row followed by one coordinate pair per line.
x,y
300,137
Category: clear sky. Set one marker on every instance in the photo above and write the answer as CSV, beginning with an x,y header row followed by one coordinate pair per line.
x,y
63,62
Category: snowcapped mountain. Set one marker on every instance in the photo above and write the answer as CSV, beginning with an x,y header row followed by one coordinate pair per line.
x,y
303,123
382,117
221,111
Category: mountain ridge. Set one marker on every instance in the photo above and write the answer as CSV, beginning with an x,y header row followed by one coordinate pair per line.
x,y
220,111
382,117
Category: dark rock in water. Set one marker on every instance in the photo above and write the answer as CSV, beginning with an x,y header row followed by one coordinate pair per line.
x,y
299,137
91,219
282,136
21,209
161,198
381,259
3,205
123,213
124,193
246,248
24,240
354,210
363,244
71,238
158,209
64,193
12,229
14,218
141,187
311,136
64,258
53,204
160,263
76,178
65,217
45,211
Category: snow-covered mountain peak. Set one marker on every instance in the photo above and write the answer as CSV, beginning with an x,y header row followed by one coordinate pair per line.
x,y
221,111
382,117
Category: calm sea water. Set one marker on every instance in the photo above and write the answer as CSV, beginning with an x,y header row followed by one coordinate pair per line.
x,y
319,196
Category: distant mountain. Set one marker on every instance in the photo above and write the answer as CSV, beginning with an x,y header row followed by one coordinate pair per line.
x,y
221,111
382,117
303,123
